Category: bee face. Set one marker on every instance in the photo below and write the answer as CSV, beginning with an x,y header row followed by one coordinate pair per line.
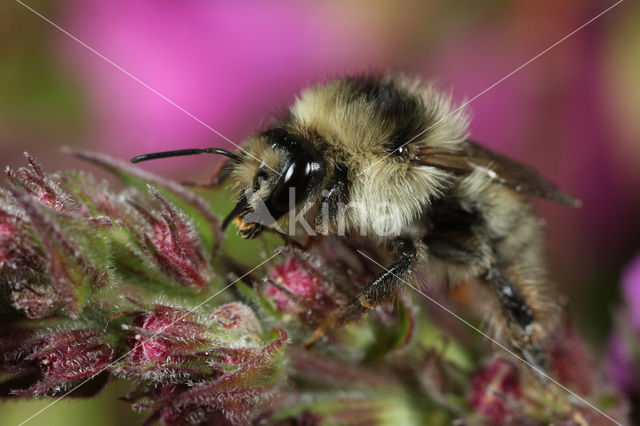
x,y
290,170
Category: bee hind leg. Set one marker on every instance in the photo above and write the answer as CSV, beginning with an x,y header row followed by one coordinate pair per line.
x,y
520,324
520,320
382,289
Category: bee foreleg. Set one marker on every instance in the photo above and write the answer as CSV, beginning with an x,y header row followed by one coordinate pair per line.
x,y
382,289
326,217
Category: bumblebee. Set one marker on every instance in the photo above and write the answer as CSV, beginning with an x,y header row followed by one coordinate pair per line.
x,y
459,210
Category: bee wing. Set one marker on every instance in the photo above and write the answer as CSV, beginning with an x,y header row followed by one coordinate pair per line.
x,y
499,168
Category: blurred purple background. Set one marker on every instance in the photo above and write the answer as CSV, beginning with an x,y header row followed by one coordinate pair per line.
x,y
573,113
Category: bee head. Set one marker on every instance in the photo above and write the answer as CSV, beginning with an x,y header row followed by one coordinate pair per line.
x,y
277,171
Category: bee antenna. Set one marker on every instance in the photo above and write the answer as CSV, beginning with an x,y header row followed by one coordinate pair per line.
x,y
180,152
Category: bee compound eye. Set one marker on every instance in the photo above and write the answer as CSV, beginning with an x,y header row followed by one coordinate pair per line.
x,y
296,176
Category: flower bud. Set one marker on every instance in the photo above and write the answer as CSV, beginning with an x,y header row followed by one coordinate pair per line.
x,y
35,300
20,255
174,245
296,287
495,392
39,185
166,334
66,359
570,358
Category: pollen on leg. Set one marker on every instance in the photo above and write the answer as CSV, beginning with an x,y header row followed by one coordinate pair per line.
x,y
366,303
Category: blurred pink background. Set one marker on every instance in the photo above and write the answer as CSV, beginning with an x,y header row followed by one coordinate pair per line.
x,y
572,113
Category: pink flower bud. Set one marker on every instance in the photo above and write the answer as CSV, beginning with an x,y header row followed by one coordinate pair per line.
x,y
174,246
8,233
48,198
23,269
71,270
7,229
20,256
571,359
231,396
40,186
66,359
166,333
299,285
495,392
35,300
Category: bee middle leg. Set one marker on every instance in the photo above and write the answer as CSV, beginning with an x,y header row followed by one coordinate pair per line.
x,y
382,289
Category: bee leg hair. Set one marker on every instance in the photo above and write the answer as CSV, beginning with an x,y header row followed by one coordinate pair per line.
x,y
382,289
326,217
518,316
520,323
